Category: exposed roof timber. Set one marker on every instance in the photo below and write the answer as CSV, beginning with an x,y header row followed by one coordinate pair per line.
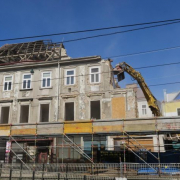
x,y
43,50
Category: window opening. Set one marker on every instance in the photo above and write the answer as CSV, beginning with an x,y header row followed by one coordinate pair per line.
x,y
94,75
178,111
4,115
7,83
144,111
70,79
95,110
44,113
24,116
69,111
26,81
46,79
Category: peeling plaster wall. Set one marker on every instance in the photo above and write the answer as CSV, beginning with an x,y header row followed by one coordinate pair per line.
x,y
131,106
81,93
115,103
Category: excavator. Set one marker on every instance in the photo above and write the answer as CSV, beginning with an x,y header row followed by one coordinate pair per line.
x,y
124,67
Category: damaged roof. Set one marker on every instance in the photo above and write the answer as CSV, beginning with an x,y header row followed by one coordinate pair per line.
x,y
38,50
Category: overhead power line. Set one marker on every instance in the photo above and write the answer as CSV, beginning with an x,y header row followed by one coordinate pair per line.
x,y
143,52
158,65
164,84
118,32
110,72
89,30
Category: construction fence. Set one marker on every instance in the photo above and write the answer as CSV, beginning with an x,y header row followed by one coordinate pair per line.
x,y
87,171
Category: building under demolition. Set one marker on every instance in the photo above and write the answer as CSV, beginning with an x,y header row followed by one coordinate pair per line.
x,y
41,83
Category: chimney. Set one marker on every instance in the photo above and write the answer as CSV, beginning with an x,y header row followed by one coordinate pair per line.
x,y
165,95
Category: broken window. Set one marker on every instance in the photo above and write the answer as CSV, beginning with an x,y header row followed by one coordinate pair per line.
x,y
94,74
144,111
69,111
44,113
70,79
95,110
7,83
5,115
26,81
46,79
24,116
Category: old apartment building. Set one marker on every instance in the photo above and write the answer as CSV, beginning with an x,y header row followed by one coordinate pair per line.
x,y
40,83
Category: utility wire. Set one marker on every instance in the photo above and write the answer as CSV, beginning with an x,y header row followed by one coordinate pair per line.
x,y
158,65
164,84
168,64
104,72
118,32
143,52
86,75
89,30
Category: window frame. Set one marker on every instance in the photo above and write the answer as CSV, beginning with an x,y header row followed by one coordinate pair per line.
x,y
29,115
144,109
99,72
8,81
64,109
26,81
6,105
39,111
90,107
70,76
46,79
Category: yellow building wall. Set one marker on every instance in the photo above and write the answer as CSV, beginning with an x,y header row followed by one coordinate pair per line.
x,y
118,107
171,106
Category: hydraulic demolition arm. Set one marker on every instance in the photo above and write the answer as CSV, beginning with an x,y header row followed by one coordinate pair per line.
x,y
152,102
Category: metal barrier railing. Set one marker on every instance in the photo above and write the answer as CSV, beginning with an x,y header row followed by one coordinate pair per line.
x,y
34,175
96,171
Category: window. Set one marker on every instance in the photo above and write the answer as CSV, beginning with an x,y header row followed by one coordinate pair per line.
x,y
26,81
24,116
7,83
70,79
144,109
69,111
44,113
5,115
95,110
46,79
94,74
178,111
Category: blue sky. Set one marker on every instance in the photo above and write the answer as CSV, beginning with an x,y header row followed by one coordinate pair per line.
x,y
34,17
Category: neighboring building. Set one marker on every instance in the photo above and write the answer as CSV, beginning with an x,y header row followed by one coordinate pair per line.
x,y
143,108
171,104
41,83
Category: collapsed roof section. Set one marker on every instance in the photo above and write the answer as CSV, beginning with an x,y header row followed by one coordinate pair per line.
x,y
37,50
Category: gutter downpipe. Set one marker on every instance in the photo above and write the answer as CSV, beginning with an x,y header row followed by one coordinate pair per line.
x,y
58,103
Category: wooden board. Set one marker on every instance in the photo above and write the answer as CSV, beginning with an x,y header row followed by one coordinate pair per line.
x,y
76,128
23,131
139,127
118,107
107,127
50,129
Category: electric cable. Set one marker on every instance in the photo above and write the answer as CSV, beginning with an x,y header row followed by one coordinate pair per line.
x,y
88,30
110,72
118,32
143,52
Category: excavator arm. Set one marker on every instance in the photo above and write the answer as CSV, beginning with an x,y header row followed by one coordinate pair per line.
x,y
152,102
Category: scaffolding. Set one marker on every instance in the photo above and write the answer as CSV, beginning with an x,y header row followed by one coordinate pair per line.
x,y
65,130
